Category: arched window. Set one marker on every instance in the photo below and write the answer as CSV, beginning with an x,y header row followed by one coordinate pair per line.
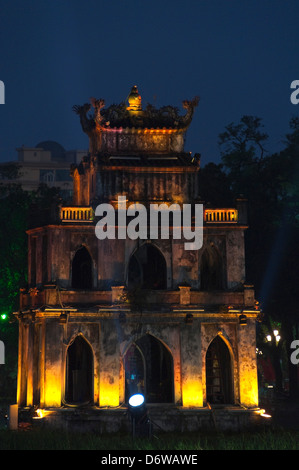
x,y
79,373
47,177
219,373
147,268
82,270
134,372
149,370
211,269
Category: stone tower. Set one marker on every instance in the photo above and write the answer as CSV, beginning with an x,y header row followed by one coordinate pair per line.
x,y
104,318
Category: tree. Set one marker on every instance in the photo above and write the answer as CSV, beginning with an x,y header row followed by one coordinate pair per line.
x,y
271,185
245,139
14,205
214,186
16,208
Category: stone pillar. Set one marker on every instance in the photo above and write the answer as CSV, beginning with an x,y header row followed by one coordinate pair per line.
x,y
109,363
42,364
30,346
21,385
53,363
248,379
185,296
13,417
192,395
117,292
25,360
249,295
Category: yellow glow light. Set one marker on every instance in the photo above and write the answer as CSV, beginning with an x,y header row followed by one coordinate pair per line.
x,y
248,388
52,397
264,414
41,413
192,394
109,395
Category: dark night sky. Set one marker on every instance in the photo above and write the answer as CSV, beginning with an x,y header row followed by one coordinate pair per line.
x,y
239,56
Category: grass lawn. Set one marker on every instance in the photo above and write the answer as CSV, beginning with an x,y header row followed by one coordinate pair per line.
x,y
266,439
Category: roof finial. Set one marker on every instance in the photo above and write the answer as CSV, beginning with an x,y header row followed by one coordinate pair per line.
x,y
134,100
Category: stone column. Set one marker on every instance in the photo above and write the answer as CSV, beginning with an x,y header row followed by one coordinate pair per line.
x,y
192,395
21,386
117,292
185,296
30,345
53,363
249,295
109,363
248,380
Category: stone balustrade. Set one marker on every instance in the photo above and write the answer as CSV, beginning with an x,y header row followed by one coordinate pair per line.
x,y
76,214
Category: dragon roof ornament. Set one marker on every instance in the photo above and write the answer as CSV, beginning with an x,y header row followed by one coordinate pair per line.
x,y
132,116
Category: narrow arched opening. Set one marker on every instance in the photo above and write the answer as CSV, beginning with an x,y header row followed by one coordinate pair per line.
x,y
149,370
219,385
134,372
82,269
79,373
211,269
147,269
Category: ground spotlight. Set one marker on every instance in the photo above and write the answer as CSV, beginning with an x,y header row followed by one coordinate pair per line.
x,y
136,401
137,407
138,413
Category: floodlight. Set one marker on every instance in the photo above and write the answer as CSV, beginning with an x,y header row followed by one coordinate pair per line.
x,y
136,400
139,416
137,407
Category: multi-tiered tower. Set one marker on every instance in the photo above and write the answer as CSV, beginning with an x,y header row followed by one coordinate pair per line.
x,y
102,319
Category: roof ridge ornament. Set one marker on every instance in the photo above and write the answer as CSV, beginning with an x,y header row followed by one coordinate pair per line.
x,y
134,100
121,118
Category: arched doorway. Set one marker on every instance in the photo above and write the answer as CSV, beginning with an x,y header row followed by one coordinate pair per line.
x,y
147,268
219,384
82,269
134,372
211,269
79,373
149,370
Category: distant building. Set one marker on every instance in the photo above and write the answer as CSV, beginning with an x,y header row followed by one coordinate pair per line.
x,y
48,162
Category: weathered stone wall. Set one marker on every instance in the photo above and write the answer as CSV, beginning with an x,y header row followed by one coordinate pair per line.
x,y
45,351
145,140
178,185
163,419
248,364
110,258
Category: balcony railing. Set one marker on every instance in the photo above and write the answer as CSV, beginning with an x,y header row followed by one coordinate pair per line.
x,y
221,216
86,214
77,214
